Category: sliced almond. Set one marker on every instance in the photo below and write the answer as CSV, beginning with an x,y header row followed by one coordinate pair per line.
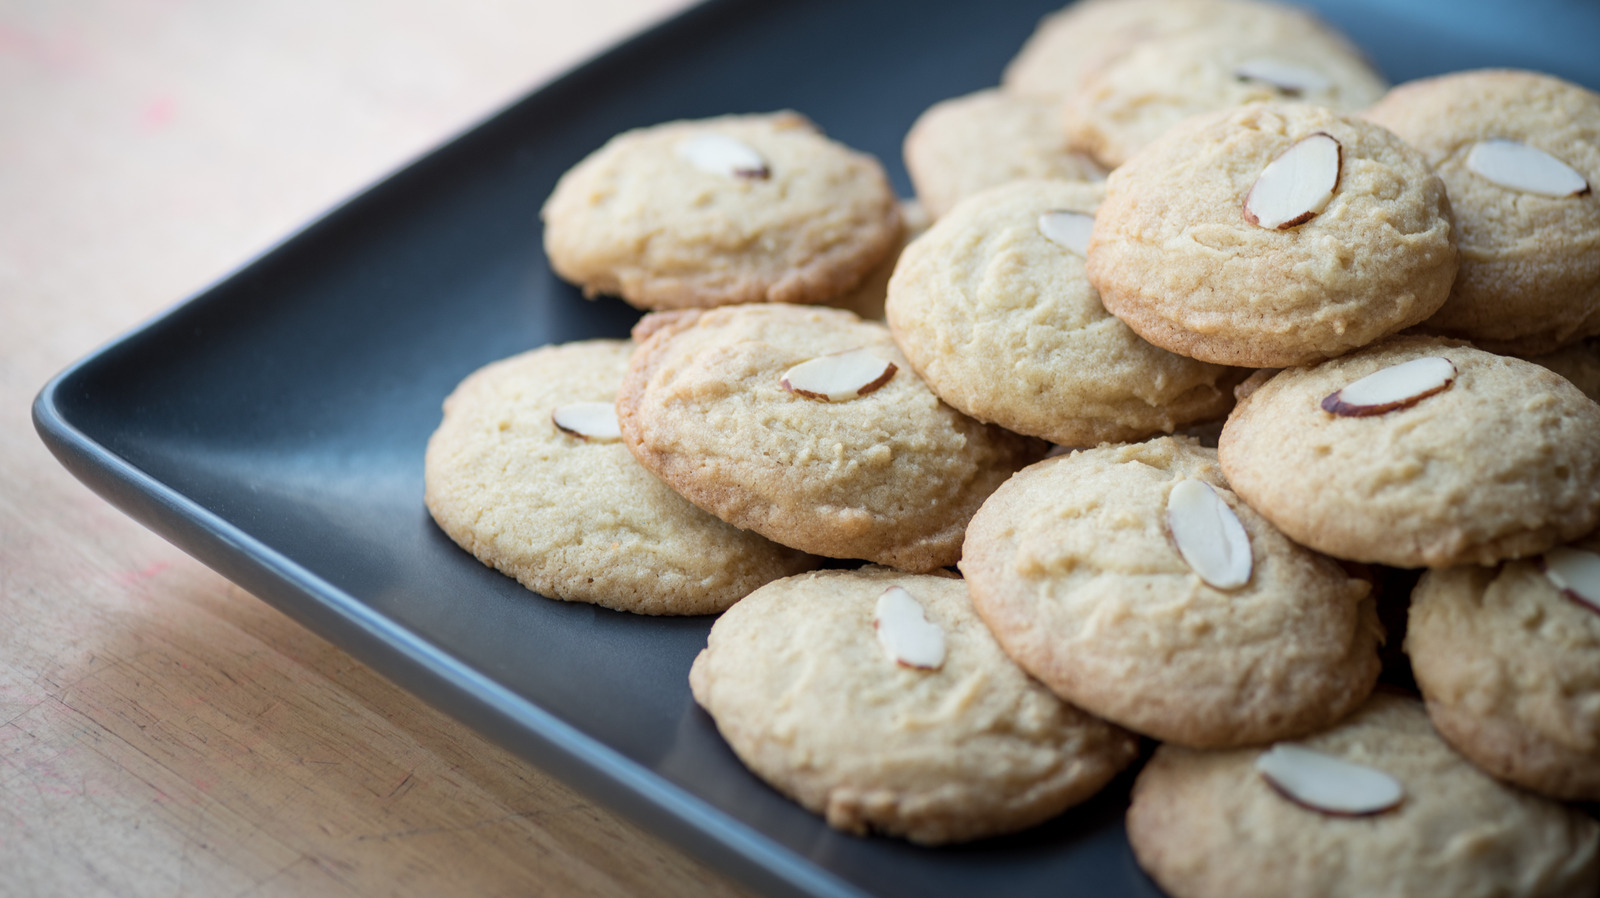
x,y
904,631
1395,387
839,377
1518,166
1068,230
1576,573
1297,185
1328,784
1208,535
589,420
720,154
1291,80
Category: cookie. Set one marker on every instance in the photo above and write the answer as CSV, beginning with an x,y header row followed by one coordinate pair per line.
x,y
575,517
715,404
805,681
1209,824
1071,44
868,299
1197,248
963,145
1139,95
1530,250
1478,458
1090,572
1509,663
747,208
1001,321
1579,363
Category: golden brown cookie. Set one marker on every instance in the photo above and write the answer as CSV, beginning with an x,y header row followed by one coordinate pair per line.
x,y
573,516
716,403
1001,321
963,145
1138,95
1198,250
1091,569
1501,460
746,208
806,682
1509,663
1071,44
1530,249
1209,824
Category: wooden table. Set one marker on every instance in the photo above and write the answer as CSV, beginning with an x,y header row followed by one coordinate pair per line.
x,y
162,732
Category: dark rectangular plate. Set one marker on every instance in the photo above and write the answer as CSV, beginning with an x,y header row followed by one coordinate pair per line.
x,y
274,426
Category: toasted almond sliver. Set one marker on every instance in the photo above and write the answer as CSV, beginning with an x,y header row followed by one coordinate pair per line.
x,y
1576,573
839,377
1295,187
1328,784
906,634
1395,387
1068,230
1208,535
595,421
1293,80
720,154
1518,166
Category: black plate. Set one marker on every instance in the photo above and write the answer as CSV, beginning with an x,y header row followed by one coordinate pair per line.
x,y
274,425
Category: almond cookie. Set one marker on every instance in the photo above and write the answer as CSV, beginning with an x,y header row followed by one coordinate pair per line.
x,y
746,208
879,700
1139,95
1520,155
963,145
808,426
528,473
1459,457
1273,235
1071,44
1133,583
1508,659
993,309
1377,807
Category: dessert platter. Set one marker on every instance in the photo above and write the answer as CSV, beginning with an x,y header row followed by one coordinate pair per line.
x,y
908,552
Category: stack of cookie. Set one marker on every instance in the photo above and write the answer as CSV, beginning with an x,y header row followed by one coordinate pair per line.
x,y
744,434
1203,212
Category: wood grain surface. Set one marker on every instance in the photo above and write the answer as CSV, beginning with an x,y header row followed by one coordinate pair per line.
x,y
162,732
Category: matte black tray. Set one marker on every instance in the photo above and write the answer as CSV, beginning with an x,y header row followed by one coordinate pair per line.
x,y
274,426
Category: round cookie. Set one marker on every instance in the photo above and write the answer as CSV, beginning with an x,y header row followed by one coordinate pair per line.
x,y
963,145
1502,463
891,476
1208,824
577,518
1074,566
1579,363
1139,95
1510,668
1530,264
805,692
1003,324
1174,255
741,208
1072,43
